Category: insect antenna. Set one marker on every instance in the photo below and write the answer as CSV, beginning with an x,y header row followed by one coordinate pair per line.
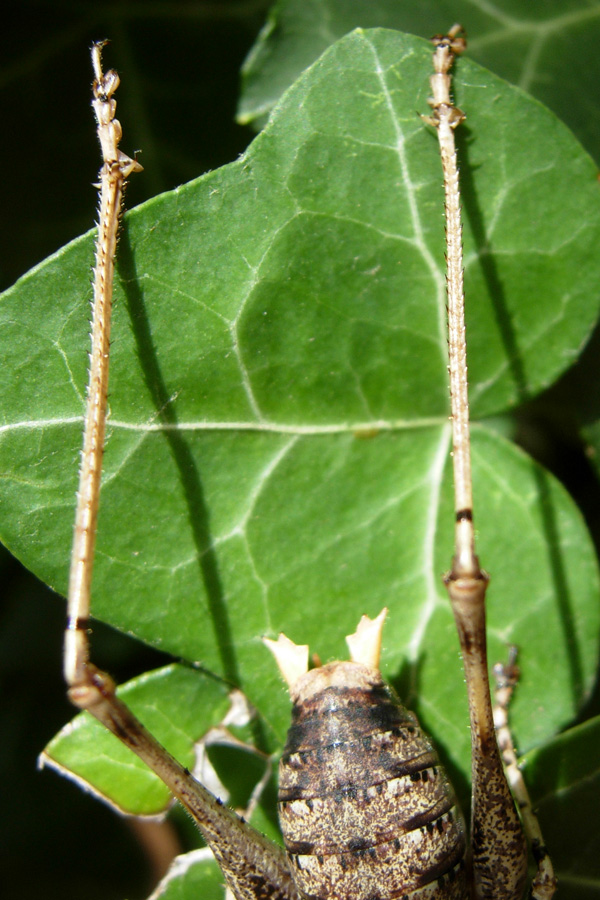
x,y
251,864
497,840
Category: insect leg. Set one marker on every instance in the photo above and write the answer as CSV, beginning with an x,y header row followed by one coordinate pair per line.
x,y
507,674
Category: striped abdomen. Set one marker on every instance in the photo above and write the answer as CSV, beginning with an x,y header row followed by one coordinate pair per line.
x,y
366,811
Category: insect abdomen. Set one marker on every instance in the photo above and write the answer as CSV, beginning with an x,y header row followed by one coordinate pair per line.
x,y
366,811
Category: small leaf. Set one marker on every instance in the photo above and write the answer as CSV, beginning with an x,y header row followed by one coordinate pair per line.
x,y
191,876
176,704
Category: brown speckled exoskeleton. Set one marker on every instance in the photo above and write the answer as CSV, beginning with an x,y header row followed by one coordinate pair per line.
x,y
361,789
366,811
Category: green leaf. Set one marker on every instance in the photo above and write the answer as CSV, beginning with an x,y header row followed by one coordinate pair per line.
x,y
192,875
176,704
548,49
277,453
564,779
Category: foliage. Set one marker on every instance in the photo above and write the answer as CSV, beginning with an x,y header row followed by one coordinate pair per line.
x,y
277,455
